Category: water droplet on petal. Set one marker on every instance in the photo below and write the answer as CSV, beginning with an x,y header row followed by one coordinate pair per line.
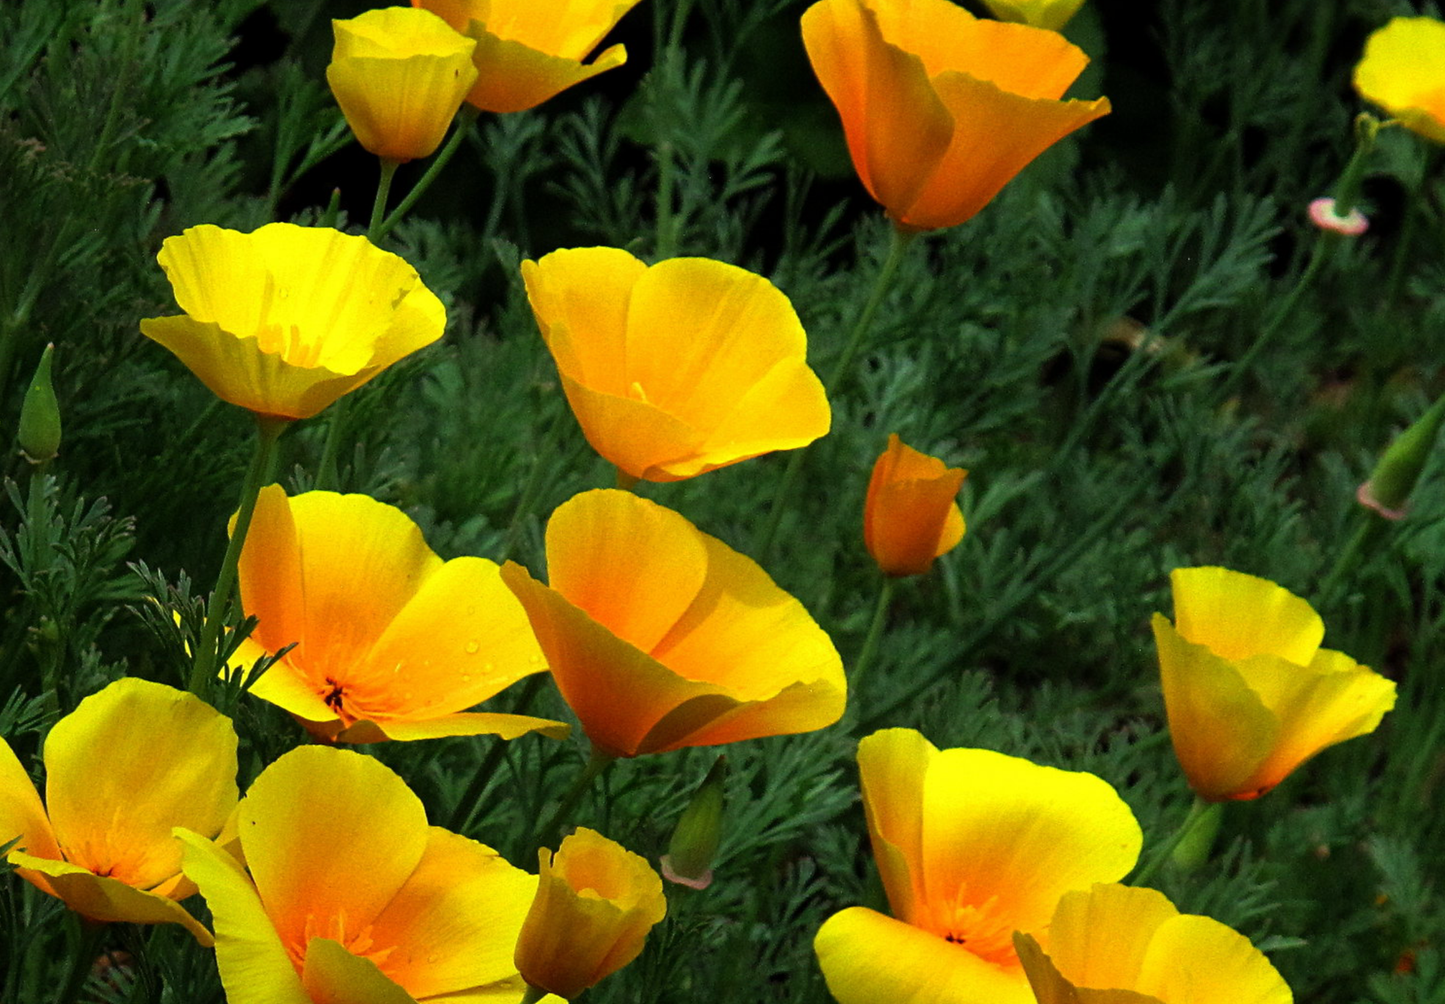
x,y
473,647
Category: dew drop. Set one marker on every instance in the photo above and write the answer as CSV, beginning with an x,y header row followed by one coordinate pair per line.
x,y
473,647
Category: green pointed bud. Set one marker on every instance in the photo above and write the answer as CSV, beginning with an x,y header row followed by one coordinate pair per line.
x,y
688,860
1193,850
40,415
1394,477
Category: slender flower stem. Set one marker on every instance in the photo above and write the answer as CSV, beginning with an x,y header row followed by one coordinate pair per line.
x,y
546,834
1197,813
463,125
327,475
378,208
1370,524
898,244
467,806
532,995
268,430
875,633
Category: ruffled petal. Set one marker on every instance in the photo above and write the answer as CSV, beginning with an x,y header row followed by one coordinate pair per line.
x,y
868,958
784,410
586,293
515,77
1100,938
896,126
130,763
1050,987
1236,615
107,899
892,766
637,438
482,723
1197,960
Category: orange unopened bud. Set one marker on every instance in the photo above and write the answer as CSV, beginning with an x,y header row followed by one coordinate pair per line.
x,y
910,516
595,903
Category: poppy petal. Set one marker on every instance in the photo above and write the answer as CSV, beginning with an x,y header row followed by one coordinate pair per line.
x,y
785,409
639,438
515,77
1100,938
107,899
21,812
481,723
1193,958
867,957
138,736
892,765
585,290
332,975
1236,615
1050,987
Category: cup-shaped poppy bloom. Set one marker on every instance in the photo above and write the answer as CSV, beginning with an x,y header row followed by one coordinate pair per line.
x,y
941,109
399,75
1115,944
1249,692
1050,14
390,641
972,845
1403,71
595,903
660,636
679,368
286,319
530,50
127,765
910,516
351,897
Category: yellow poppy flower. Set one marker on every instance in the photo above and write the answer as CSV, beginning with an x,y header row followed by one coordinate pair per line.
x,y
1115,944
351,897
910,516
530,50
127,765
391,642
660,636
677,369
941,109
399,75
287,319
595,903
1050,14
972,846
1403,71
1249,692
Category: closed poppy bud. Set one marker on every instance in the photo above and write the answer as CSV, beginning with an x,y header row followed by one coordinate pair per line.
x,y
679,368
287,319
1400,466
40,415
910,516
660,636
695,839
399,75
941,109
595,903
530,50
1249,693
1403,71
1116,944
1050,14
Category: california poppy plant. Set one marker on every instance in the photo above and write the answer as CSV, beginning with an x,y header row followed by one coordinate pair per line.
x,y
972,845
1249,692
1114,944
679,368
661,637
1403,71
399,75
390,641
347,895
530,50
287,319
1050,14
941,109
910,516
595,903
127,765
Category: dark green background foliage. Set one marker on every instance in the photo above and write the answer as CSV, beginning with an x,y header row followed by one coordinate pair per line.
x,y
1074,346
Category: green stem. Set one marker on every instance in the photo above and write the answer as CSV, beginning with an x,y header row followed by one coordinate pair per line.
x,y
326,472
1197,812
543,449
532,995
466,808
875,633
898,244
378,207
1349,557
82,964
268,430
546,834
463,125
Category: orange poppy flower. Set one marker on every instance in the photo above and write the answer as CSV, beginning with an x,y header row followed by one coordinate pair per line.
x,y
941,109
390,641
127,765
342,893
1249,692
530,50
660,636
910,516
677,369
399,75
595,903
1403,71
1115,944
971,845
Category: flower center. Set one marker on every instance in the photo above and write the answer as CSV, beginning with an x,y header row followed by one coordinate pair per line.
x,y
358,942
978,928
